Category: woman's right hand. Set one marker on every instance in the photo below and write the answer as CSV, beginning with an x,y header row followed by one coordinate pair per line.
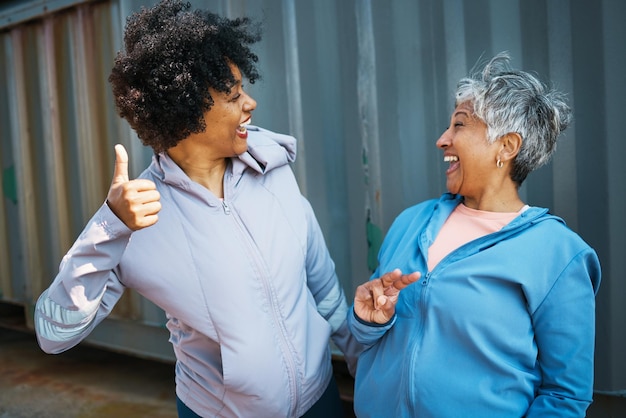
x,y
135,202
375,301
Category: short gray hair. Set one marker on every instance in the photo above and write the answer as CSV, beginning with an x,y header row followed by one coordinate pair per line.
x,y
507,101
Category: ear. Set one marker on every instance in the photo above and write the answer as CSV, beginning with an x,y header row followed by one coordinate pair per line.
x,y
511,145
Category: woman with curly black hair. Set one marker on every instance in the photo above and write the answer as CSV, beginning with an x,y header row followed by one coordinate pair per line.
x,y
215,231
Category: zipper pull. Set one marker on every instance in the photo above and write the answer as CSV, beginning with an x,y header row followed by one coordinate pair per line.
x,y
226,208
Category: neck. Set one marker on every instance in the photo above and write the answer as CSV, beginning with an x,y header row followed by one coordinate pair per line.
x,y
503,200
201,168
496,206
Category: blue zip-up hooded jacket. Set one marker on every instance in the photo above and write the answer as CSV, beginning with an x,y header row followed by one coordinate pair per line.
x,y
247,283
504,326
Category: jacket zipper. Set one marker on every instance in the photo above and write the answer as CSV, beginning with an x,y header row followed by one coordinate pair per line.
x,y
272,300
425,281
226,207
427,278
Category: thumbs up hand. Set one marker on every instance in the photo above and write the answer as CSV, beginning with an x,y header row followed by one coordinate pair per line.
x,y
135,202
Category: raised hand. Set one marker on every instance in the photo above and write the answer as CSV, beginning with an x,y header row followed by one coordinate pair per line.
x,y
375,301
135,202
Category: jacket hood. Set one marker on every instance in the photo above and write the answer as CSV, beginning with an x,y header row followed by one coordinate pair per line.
x,y
266,151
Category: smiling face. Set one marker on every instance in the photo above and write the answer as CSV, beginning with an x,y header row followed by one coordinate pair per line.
x,y
227,119
472,159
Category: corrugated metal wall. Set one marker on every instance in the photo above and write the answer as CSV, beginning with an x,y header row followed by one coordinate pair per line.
x,y
366,85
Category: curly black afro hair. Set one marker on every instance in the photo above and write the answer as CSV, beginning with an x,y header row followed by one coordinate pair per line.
x,y
172,56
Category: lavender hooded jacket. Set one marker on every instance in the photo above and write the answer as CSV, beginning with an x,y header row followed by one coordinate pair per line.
x,y
247,283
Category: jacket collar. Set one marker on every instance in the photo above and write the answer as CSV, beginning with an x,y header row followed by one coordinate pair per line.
x,y
266,150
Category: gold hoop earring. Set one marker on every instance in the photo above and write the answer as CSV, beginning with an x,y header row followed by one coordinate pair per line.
x,y
499,163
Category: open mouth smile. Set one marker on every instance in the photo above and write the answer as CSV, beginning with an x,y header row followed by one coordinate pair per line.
x,y
242,131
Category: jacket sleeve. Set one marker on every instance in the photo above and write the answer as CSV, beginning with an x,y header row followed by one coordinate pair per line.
x,y
86,288
565,335
367,333
327,291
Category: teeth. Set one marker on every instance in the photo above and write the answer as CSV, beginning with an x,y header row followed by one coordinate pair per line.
x,y
450,158
242,127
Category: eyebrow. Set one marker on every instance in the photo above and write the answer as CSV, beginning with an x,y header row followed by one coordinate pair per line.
x,y
462,112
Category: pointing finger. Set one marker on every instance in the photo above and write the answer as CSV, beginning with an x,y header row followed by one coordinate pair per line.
x,y
406,279
389,278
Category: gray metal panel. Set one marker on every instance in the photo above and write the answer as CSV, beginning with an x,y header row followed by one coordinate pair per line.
x,y
13,12
365,85
611,339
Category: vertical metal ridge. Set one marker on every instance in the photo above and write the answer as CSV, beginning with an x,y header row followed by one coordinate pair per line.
x,y
564,161
5,255
21,140
294,89
88,135
367,98
58,211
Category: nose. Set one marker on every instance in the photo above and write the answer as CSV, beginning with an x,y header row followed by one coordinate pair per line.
x,y
444,140
249,103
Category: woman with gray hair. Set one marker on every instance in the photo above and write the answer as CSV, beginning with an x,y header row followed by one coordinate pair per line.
x,y
502,321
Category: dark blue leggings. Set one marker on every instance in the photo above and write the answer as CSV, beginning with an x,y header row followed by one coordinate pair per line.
x,y
184,411
328,406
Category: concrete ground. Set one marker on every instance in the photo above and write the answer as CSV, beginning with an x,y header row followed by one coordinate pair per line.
x,y
83,382
87,382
